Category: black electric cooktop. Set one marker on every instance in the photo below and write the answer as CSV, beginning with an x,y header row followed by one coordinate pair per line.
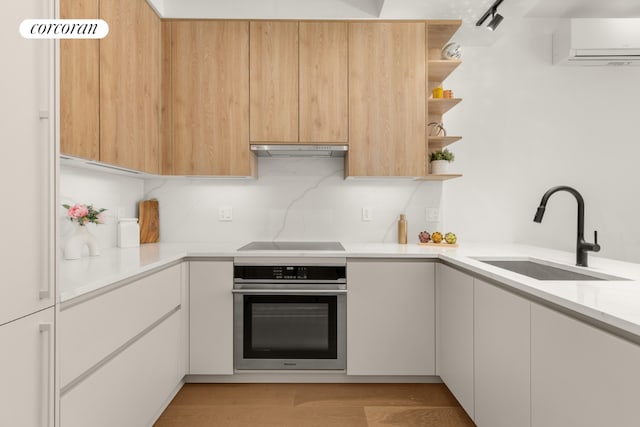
x,y
292,246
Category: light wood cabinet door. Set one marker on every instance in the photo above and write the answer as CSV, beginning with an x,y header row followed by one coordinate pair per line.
x,y
581,375
274,81
502,359
130,85
387,79
210,98
80,86
390,318
454,333
324,114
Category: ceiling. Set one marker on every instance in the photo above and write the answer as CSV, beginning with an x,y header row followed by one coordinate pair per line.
x,y
467,10
585,9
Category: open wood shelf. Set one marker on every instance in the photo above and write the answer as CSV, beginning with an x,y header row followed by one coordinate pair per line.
x,y
439,32
441,106
439,69
439,142
443,177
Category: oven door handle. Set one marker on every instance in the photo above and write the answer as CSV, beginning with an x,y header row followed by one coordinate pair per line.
x,y
287,291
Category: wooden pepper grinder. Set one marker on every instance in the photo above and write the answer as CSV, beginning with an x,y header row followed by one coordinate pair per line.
x,y
402,230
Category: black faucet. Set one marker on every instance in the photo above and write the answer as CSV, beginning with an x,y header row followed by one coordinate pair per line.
x,y
582,247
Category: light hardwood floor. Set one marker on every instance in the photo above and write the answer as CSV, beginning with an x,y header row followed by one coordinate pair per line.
x,y
314,405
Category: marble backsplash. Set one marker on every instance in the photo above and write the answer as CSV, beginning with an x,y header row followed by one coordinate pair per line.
x,y
293,199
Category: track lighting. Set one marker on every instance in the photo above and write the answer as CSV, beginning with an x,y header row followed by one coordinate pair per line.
x,y
495,21
496,18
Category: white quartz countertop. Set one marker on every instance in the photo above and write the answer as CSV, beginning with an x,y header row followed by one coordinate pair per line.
x,y
616,303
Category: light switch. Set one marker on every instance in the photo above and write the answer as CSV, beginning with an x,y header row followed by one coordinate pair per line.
x,y
225,213
432,214
367,214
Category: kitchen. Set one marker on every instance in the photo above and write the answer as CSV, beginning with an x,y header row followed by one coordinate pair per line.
x,y
545,123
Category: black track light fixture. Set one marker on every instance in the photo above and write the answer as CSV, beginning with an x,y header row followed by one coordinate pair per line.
x,y
495,21
492,12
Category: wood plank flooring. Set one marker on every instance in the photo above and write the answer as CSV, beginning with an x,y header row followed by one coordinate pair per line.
x,y
314,405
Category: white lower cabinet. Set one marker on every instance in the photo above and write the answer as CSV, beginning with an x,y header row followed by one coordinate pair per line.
x,y
130,389
123,353
501,357
454,319
390,317
26,371
581,375
211,317
91,330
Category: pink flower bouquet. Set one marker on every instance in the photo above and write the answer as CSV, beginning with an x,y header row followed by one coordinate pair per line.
x,y
84,214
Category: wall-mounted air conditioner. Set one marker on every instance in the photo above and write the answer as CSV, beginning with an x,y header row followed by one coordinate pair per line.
x,y
611,41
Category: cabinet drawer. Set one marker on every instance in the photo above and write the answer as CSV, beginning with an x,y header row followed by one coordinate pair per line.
x,y
131,389
91,330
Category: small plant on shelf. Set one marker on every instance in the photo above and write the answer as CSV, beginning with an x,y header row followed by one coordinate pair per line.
x,y
440,160
442,155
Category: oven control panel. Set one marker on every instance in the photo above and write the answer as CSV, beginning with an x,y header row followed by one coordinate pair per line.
x,y
289,272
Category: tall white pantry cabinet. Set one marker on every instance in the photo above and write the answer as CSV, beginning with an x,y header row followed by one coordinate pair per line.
x,y
27,156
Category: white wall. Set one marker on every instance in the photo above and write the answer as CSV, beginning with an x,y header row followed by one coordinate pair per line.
x,y
527,126
103,190
293,199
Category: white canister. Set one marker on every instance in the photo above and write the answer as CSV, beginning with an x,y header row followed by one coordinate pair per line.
x,y
128,233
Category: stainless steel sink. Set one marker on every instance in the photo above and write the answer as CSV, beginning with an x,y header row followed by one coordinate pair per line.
x,y
543,270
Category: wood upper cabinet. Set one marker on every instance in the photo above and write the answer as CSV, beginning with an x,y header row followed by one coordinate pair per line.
x,y
387,79
210,98
80,86
130,85
324,110
274,81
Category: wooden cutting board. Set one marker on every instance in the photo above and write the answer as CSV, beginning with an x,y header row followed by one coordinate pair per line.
x,y
442,245
148,217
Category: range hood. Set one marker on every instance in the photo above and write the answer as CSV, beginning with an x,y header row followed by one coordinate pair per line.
x,y
299,150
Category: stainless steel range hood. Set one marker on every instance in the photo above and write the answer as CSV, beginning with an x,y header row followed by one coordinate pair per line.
x,y
299,150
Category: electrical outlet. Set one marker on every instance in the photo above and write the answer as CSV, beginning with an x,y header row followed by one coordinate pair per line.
x,y
367,214
225,213
432,214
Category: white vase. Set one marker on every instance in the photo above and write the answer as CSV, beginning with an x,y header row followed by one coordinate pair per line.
x,y
80,238
439,167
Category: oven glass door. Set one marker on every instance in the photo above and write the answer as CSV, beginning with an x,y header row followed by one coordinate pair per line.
x,y
290,327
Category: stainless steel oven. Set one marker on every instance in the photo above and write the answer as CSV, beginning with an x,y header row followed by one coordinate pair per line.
x,y
290,314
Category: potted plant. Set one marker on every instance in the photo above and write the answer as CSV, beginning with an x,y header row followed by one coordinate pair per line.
x,y
82,215
440,160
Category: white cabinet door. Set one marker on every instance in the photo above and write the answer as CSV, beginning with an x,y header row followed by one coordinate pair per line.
x,y
390,317
26,371
184,318
454,320
211,314
502,357
131,389
26,165
92,330
580,375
